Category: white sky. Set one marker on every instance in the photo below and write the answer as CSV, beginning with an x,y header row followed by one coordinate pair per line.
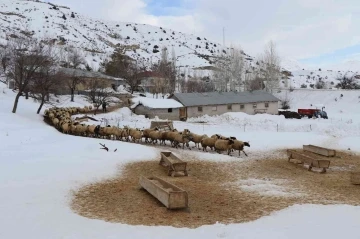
x,y
300,28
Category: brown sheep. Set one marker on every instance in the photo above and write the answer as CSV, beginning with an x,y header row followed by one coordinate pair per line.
x,y
167,136
182,139
218,136
65,127
81,129
91,130
146,133
55,122
197,139
155,136
137,136
208,142
239,145
224,145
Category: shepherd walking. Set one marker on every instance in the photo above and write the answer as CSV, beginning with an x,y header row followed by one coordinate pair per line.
x,y
104,107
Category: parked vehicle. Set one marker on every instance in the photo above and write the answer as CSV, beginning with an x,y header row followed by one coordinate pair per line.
x,y
290,114
313,113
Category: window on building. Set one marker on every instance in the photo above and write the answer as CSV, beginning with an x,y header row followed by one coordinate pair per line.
x,y
242,107
254,106
267,105
200,108
214,108
229,107
170,110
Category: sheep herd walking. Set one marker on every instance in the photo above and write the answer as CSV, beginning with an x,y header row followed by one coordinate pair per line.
x,y
60,118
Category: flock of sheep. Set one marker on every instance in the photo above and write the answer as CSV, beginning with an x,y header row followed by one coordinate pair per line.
x,y
60,118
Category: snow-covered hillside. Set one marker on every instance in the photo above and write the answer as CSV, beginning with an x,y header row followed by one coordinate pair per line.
x,y
99,38
308,78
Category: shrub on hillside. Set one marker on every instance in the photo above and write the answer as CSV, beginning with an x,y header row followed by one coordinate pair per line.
x,y
347,82
285,104
303,86
320,84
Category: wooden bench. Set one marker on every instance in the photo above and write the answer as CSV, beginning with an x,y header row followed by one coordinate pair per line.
x,y
173,164
168,194
319,150
312,162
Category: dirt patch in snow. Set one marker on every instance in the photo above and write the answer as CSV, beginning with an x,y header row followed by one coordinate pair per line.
x,y
226,192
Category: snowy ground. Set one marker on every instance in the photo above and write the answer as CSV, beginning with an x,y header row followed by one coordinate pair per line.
x,y
40,167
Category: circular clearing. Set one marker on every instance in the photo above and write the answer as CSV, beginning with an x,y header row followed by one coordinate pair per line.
x,y
225,192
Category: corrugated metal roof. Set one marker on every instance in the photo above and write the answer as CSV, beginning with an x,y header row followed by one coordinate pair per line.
x,y
222,98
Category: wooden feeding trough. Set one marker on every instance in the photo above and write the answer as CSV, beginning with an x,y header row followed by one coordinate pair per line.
x,y
162,125
312,162
175,165
168,194
319,150
355,178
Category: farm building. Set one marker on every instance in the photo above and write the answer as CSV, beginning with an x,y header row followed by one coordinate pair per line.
x,y
217,103
162,108
87,78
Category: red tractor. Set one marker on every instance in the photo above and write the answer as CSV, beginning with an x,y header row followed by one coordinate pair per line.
x,y
313,113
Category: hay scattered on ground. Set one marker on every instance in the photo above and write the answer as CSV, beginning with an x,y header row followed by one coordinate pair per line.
x,y
226,192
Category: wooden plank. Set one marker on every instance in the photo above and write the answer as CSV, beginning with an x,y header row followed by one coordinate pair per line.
x,y
168,194
302,157
173,163
319,150
312,162
355,178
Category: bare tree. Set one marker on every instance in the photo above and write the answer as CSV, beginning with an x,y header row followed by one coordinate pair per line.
x,y
4,57
167,69
45,84
99,93
72,82
122,66
231,67
74,58
26,57
256,84
271,69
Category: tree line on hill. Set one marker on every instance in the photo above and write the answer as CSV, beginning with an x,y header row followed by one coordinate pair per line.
x,y
33,67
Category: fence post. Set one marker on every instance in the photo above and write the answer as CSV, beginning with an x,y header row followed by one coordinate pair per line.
x,y
310,128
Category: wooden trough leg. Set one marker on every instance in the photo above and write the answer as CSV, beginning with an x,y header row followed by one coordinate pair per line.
x,y
323,170
170,171
310,167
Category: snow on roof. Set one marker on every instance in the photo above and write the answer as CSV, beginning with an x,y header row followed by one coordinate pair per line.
x,y
156,103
